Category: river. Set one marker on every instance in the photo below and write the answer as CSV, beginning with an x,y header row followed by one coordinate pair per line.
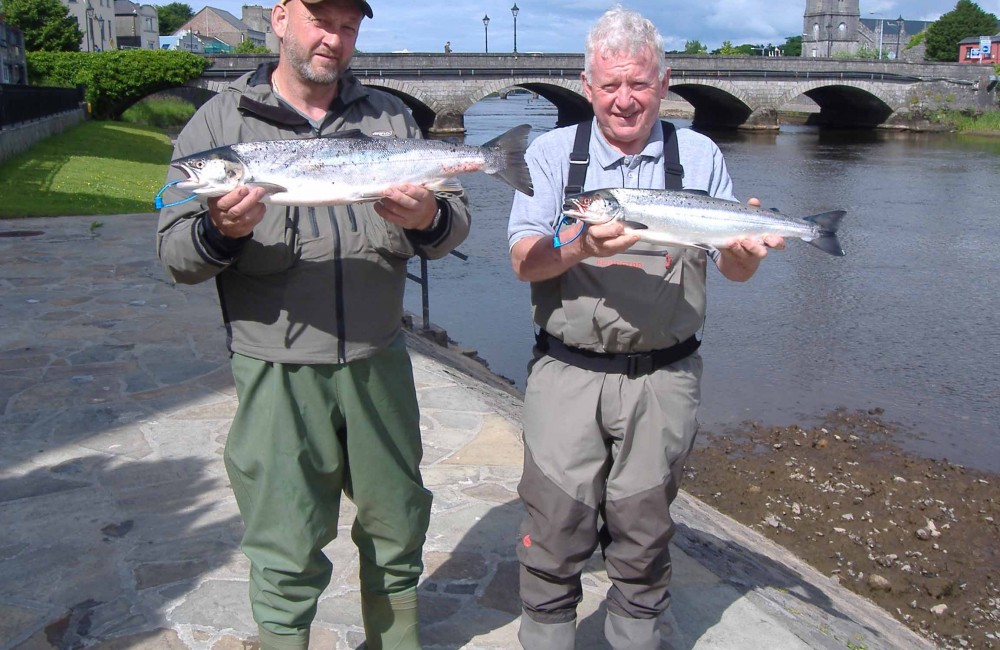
x,y
908,321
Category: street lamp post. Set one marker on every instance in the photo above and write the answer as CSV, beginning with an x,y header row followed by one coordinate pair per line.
x,y
880,28
486,31
514,10
100,21
90,27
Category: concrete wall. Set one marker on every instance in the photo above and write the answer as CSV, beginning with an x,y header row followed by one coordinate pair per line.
x,y
18,138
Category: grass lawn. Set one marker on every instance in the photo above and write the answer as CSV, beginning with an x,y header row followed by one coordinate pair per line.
x,y
94,168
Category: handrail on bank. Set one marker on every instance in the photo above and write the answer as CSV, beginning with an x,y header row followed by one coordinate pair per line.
x,y
424,281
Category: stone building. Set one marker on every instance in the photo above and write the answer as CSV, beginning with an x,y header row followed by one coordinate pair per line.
x,y
835,28
220,24
96,19
137,26
259,18
830,27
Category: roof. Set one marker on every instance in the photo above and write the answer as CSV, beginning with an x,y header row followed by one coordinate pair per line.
x,y
891,25
223,14
975,39
126,8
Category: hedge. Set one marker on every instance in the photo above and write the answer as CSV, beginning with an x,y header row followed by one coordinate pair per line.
x,y
116,79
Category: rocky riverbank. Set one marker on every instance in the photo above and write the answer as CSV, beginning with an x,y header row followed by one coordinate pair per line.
x,y
919,537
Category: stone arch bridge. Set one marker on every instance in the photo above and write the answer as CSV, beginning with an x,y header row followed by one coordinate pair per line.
x,y
725,92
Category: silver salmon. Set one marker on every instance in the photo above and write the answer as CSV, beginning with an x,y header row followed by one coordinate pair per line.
x,y
351,168
682,218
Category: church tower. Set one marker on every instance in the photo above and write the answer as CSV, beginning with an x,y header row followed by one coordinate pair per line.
x,y
830,27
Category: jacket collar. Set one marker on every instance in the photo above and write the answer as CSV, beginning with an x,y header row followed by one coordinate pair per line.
x,y
258,97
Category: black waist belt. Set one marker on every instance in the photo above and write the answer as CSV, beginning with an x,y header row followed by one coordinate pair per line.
x,y
634,365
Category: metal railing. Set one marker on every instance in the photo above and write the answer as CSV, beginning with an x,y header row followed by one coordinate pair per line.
x,y
19,103
424,281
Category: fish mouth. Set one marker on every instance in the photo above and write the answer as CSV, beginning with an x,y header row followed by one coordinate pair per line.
x,y
578,208
191,181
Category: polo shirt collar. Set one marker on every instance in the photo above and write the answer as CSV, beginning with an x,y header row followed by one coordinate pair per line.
x,y
608,157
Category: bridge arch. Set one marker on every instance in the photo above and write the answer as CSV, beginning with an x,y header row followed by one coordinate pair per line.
x,y
565,94
846,104
716,104
427,110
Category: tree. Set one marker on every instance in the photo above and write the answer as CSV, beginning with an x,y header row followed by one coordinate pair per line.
x,y
965,20
694,47
247,47
792,46
172,16
46,24
728,49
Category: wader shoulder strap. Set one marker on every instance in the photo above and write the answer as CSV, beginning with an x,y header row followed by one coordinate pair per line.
x,y
579,159
673,171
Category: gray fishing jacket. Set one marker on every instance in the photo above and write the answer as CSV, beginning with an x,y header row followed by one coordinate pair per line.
x,y
310,285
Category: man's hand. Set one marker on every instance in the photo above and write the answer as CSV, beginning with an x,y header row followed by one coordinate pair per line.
x,y
603,240
739,260
411,206
236,214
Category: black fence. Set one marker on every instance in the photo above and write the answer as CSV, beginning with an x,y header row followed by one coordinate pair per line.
x,y
20,103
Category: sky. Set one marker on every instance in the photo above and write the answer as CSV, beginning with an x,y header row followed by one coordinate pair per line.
x,y
562,25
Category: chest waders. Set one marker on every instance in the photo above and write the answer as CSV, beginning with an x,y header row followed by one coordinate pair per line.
x,y
612,460
631,364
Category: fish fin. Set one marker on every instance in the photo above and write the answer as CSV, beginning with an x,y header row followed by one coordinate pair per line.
x,y
512,168
366,198
635,225
829,223
450,184
270,188
696,192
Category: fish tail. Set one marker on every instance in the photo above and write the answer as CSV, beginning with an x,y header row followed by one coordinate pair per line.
x,y
829,223
509,162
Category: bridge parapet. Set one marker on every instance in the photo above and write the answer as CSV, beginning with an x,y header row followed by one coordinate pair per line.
x,y
738,92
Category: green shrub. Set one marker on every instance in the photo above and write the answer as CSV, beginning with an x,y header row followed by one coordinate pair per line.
x,y
116,79
162,112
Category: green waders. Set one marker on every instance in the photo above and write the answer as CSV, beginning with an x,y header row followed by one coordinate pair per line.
x,y
301,436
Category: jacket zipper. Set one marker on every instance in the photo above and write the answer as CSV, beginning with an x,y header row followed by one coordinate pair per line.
x,y
338,283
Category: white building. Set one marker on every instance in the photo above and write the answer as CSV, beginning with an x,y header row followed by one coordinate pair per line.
x,y
96,19
136,26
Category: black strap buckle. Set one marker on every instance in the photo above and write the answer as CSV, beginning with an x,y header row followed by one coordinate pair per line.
x,y
637,365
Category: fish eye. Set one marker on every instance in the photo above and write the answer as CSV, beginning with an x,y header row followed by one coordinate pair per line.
x,y
198,164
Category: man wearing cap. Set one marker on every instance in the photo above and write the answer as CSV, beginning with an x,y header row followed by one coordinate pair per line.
x,y
312,301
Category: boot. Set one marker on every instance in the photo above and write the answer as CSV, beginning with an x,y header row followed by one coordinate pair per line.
x,y
390,621
534,635
273,641
632,633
